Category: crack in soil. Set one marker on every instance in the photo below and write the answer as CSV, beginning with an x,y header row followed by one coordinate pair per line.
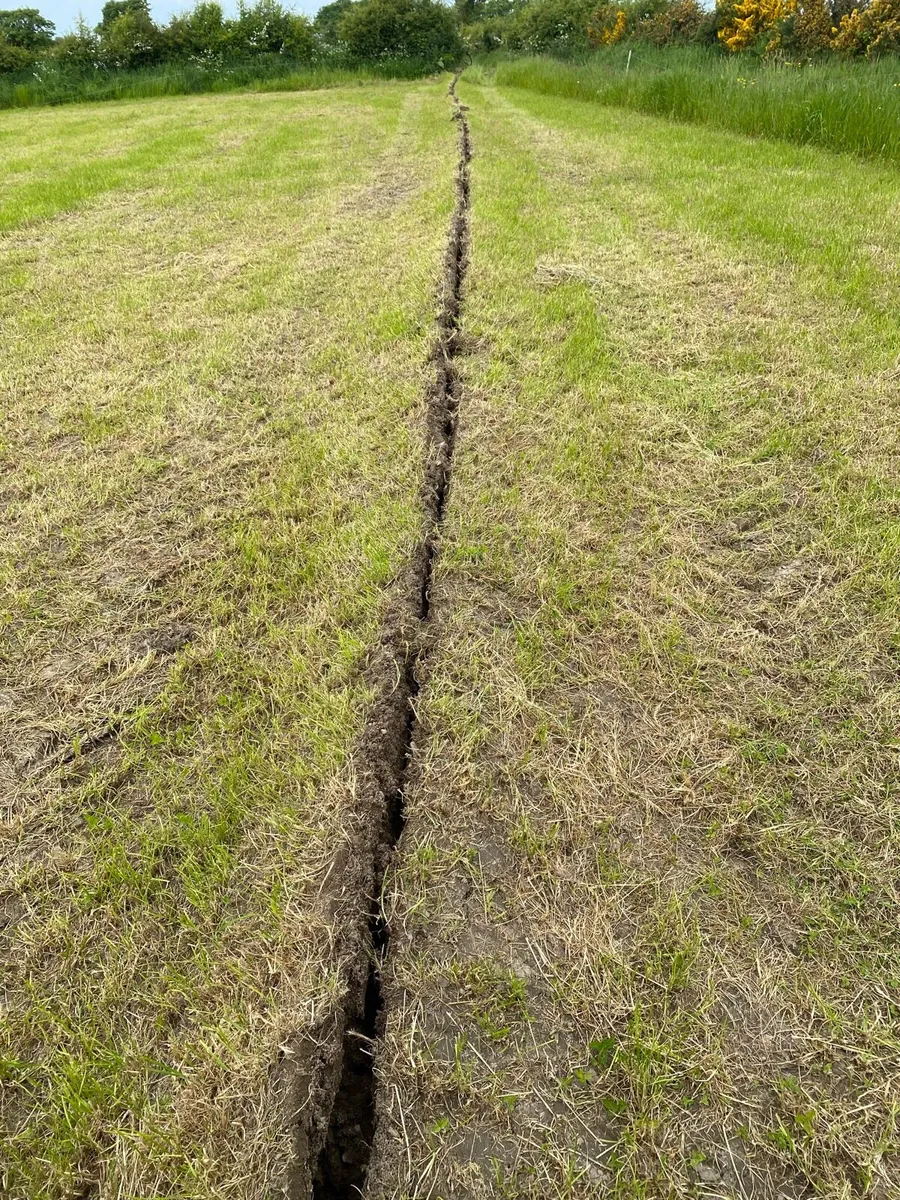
x,y
388,743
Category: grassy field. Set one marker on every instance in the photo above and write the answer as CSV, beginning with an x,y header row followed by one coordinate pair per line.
x,y
645,939
641,920
59,86
215,316
844,106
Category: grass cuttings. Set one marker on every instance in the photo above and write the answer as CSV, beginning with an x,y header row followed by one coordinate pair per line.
x,y
213,368
644,937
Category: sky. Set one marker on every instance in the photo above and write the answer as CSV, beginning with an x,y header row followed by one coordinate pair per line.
x,y
64,13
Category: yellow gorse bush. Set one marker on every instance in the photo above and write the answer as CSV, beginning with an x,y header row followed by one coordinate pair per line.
x,y
813,30
806,27
872,30
796,30
751,19
603,30
611,36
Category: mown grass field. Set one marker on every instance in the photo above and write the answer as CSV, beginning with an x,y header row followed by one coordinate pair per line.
x,y
643,913
215,316
645,937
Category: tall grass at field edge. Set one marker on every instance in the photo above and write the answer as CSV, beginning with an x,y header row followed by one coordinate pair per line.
x,y
62,87
842,106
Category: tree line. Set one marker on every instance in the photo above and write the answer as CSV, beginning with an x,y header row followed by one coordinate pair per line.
x,y
794,29
127,37
433,34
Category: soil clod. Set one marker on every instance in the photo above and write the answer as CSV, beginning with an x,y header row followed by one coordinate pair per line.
x,y
164,640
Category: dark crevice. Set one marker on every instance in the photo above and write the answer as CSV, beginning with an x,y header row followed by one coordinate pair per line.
x,y
388,743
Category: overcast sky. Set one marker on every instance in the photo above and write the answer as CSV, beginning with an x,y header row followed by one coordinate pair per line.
x,y
64,13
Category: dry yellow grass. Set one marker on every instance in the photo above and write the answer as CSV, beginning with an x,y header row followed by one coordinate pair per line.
x,y
216,315
644,918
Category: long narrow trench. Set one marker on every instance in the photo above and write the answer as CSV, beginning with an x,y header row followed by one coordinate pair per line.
x,y
343,1163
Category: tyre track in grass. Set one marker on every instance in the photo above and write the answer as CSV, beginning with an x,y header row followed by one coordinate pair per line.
x,y
338,1152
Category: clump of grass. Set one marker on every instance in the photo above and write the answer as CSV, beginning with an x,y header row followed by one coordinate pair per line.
x,y
852,107
55,86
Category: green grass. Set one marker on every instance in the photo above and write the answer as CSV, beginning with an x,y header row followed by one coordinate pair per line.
x,y
50,85
643,912
215,315
852,107
659,789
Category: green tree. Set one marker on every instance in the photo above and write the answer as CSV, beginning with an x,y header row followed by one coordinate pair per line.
x,y
553,25
482,36
25,28
14,59
199,33
24,36
78,50
422,29
299,41
130,39
113,9
669,23
267,28
471,12
806,32
328,19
